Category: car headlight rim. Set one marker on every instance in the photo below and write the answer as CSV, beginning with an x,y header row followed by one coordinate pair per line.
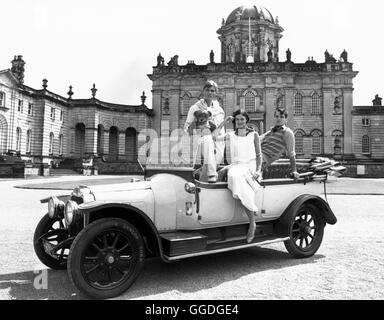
x,y
70,211
55,208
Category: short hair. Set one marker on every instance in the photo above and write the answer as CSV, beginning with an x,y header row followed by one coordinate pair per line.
x,y
211,83
282,111
236,113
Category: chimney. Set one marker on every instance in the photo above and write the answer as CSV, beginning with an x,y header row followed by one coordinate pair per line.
x,y
18,68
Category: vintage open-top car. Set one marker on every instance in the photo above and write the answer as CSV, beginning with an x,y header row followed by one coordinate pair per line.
x,y
103,234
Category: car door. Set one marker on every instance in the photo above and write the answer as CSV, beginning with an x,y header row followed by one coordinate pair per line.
x,y
216,203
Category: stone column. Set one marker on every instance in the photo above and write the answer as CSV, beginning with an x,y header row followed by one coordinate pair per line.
x,y
106,142
121,148
327,121
72,142
90,141
156,105
269,107
347,115
289,98
174,109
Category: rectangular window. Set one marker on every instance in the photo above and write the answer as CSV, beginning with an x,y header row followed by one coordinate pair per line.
x,y
53,114
316,104
20,106
299,143
30,109
298,104
366,122
316,144
366,145
2,99
61,115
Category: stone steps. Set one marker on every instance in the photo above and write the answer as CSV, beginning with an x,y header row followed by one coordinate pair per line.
x,y
63,172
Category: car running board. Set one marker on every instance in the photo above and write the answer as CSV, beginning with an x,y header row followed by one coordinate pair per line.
x,y
261,241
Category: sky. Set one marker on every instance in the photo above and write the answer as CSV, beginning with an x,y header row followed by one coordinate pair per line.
x,y
114,43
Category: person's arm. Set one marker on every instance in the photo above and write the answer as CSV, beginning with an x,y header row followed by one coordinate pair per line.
x,y
220,137
258,154
220,115
290,143
190,118
216,132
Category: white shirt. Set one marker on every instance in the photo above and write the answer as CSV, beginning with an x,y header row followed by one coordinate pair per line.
x,y
215,109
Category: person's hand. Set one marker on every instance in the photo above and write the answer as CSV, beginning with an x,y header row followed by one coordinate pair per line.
x,y
228,119
183,132
256,175
295,175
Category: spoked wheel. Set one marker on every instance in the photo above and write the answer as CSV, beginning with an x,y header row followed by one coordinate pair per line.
x,y
306,231
106,258
48,234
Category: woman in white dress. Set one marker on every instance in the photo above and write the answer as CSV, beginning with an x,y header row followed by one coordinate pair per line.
x,y
245,166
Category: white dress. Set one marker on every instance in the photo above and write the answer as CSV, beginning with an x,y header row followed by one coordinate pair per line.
x,y
243,163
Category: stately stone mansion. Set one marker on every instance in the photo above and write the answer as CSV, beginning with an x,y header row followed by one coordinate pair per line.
x,y
251,73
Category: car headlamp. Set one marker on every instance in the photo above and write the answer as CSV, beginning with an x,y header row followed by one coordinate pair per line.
x,y
55,207
70,211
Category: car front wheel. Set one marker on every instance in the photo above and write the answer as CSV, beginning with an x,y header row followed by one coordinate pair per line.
x,y
306,231
105,258
48,234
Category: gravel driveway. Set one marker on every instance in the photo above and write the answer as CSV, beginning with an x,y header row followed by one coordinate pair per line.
x,y
348,265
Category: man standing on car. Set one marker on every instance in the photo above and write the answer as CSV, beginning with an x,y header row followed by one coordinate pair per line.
x,y
213,152
278,140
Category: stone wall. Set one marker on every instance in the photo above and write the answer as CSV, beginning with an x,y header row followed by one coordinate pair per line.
x,y
124,168
364,169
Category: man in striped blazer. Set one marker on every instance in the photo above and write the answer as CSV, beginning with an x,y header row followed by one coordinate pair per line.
x,y
280,139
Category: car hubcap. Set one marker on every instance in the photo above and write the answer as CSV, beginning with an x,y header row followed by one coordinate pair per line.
x,y
304,229
108,260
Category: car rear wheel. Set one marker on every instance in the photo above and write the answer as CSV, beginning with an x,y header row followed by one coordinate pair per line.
x,y
105,258
306,231
49,233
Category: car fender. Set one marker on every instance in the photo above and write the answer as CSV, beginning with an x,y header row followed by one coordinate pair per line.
x,y
282,226
99,206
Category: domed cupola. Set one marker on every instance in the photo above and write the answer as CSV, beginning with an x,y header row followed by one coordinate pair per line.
x,y
248,34
244,13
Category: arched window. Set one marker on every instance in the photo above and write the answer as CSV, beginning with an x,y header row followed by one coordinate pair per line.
x,y
80,140
299,142
61,144
298,104
185,104
316,105
366,144
131,144
113,143
100,140
29,140
249,50
18,139
316,142
250,102
51,140
231,52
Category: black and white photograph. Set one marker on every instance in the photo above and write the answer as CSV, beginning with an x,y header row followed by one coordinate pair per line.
x,y
194,152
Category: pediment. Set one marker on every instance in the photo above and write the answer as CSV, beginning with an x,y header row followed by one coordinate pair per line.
x,y
8,79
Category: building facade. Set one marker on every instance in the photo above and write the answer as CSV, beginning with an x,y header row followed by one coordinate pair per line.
x,y
253,76
45,127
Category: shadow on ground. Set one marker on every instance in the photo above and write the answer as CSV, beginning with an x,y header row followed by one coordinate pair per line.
x,y
158,277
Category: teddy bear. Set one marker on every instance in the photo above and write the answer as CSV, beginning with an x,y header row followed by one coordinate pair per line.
x,y
203,119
